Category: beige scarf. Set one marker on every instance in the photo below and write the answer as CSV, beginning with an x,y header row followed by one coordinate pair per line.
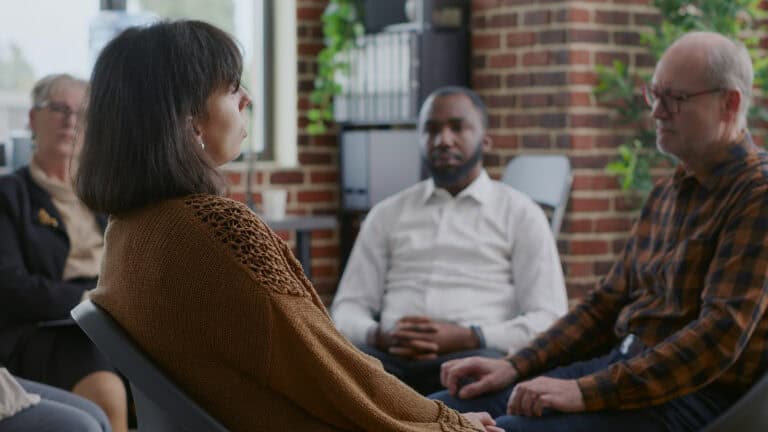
x,y
86,242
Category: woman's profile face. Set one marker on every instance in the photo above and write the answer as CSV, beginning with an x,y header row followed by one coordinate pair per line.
x,y
223,127
54,123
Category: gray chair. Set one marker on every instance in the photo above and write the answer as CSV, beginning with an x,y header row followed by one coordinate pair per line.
x,y
21,151
546,179
160,405
15,153
749,413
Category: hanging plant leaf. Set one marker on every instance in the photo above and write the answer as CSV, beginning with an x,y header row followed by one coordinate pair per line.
x,y
341,27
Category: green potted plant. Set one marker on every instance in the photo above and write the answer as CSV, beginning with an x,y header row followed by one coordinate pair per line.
x,y
341,27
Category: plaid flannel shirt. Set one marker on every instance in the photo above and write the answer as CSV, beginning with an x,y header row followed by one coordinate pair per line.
x,y
691,284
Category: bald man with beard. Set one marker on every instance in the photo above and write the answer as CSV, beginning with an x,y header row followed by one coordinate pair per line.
x,y
457,265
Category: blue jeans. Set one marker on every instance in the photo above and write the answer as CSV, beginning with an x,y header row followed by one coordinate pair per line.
x,y
422,375
688,413
58,410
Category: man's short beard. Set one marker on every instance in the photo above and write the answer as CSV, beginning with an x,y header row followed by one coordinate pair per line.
x,y
449,176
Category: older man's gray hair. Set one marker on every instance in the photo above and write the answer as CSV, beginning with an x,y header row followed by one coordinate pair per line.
x,y
729,66
45,86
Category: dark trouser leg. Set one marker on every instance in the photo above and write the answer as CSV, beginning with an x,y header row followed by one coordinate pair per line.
x,y
422,375
496,403
58,356
609,421
688,413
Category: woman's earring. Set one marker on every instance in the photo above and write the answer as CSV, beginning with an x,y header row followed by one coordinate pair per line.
x,y
202,144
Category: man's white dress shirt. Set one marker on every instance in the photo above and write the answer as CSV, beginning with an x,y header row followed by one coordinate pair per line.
x,y
485,257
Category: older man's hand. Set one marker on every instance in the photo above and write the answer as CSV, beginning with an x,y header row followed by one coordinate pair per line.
x,y
482,374
529,398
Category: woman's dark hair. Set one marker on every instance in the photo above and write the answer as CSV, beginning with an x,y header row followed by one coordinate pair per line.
x,y
148,83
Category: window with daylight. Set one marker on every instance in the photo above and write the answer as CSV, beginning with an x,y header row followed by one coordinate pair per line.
x,y
41,37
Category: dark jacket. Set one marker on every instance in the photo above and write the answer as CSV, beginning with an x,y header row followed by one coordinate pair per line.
x,y
33,250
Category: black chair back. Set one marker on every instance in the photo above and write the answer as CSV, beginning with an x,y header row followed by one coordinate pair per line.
x,y
161,406
749,413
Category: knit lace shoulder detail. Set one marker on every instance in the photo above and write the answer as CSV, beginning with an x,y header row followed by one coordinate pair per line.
x,y
267,257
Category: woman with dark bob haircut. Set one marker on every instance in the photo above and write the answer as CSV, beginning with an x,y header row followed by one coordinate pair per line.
x,y
198,280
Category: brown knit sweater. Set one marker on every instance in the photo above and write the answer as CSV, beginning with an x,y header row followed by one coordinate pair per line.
x,y
220,303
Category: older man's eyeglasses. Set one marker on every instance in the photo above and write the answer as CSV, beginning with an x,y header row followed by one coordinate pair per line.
x,y
671,103
60,108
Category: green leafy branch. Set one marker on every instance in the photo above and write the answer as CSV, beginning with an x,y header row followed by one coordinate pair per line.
x,y
341,27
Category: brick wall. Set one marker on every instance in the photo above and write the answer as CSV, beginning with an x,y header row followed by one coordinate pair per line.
x,y
534,63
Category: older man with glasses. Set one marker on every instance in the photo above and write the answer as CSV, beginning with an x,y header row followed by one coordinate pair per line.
x,y
677,331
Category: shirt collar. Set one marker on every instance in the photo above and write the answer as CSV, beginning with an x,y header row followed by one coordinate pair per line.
x,y
740,154
479,189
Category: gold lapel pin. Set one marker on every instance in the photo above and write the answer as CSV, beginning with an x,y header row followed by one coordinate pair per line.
x,y
46,219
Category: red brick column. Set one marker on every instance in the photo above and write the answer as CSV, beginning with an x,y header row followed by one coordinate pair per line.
x,y
534,63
